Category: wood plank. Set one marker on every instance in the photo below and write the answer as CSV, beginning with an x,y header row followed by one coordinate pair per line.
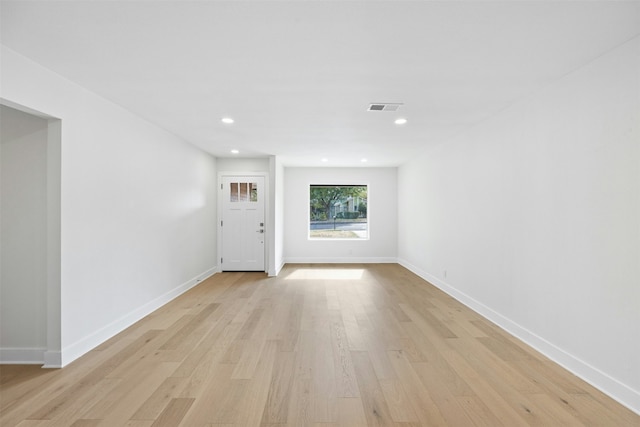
x,y
243,349
345,378
86,423
488,363
276,409
325,392
418,395
35,423
486,393
83,387
442,395
351,413
436,364
250,357
161,397
78,408
174,412
252,405
214,344
205,371
397,401
374,404
301,407
479,411
129,394
218,401
17,381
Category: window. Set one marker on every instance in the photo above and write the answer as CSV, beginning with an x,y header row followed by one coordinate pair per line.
x,y
243,192
338,212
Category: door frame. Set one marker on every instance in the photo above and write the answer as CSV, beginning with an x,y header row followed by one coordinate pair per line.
x,y
267,232
52,355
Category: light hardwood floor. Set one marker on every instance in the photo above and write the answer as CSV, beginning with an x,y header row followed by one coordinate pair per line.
x,y
320,345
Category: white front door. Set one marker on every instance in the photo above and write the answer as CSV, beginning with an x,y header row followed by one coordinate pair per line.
x,y
242,223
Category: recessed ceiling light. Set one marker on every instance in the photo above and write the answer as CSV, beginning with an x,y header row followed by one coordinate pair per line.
x,y
234,151
400,121
364,160
325,159
227,120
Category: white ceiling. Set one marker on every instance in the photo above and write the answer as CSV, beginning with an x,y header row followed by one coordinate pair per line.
x,y
298,76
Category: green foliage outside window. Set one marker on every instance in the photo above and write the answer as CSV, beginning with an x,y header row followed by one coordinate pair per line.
x,y
338,212
329,201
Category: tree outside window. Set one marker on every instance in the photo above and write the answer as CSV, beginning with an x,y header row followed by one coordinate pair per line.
x,y
338,212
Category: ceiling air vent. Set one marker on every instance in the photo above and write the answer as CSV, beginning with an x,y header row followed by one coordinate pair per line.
x,y
384,106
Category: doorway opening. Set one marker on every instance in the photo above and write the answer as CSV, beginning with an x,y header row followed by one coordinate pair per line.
x,y
30,259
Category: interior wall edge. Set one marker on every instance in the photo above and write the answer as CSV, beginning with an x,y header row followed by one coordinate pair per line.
x,y
615,389
277,269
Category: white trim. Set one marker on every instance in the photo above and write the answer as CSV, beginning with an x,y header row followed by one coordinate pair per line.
x,y
53,355
22,356
618,391
340,260
84,345
277,271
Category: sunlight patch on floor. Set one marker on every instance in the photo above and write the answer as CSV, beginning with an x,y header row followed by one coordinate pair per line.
x,y
326,274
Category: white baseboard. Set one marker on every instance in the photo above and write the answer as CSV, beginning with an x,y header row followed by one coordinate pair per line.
x,y
277,270
80,347
605,383
340,260
22,356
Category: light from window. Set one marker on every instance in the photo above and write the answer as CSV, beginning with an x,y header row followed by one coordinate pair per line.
x,y
338,212
243,192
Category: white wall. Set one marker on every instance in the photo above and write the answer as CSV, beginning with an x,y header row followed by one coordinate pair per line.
x,y
381,211
534,215
242,164
138,207
23,213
